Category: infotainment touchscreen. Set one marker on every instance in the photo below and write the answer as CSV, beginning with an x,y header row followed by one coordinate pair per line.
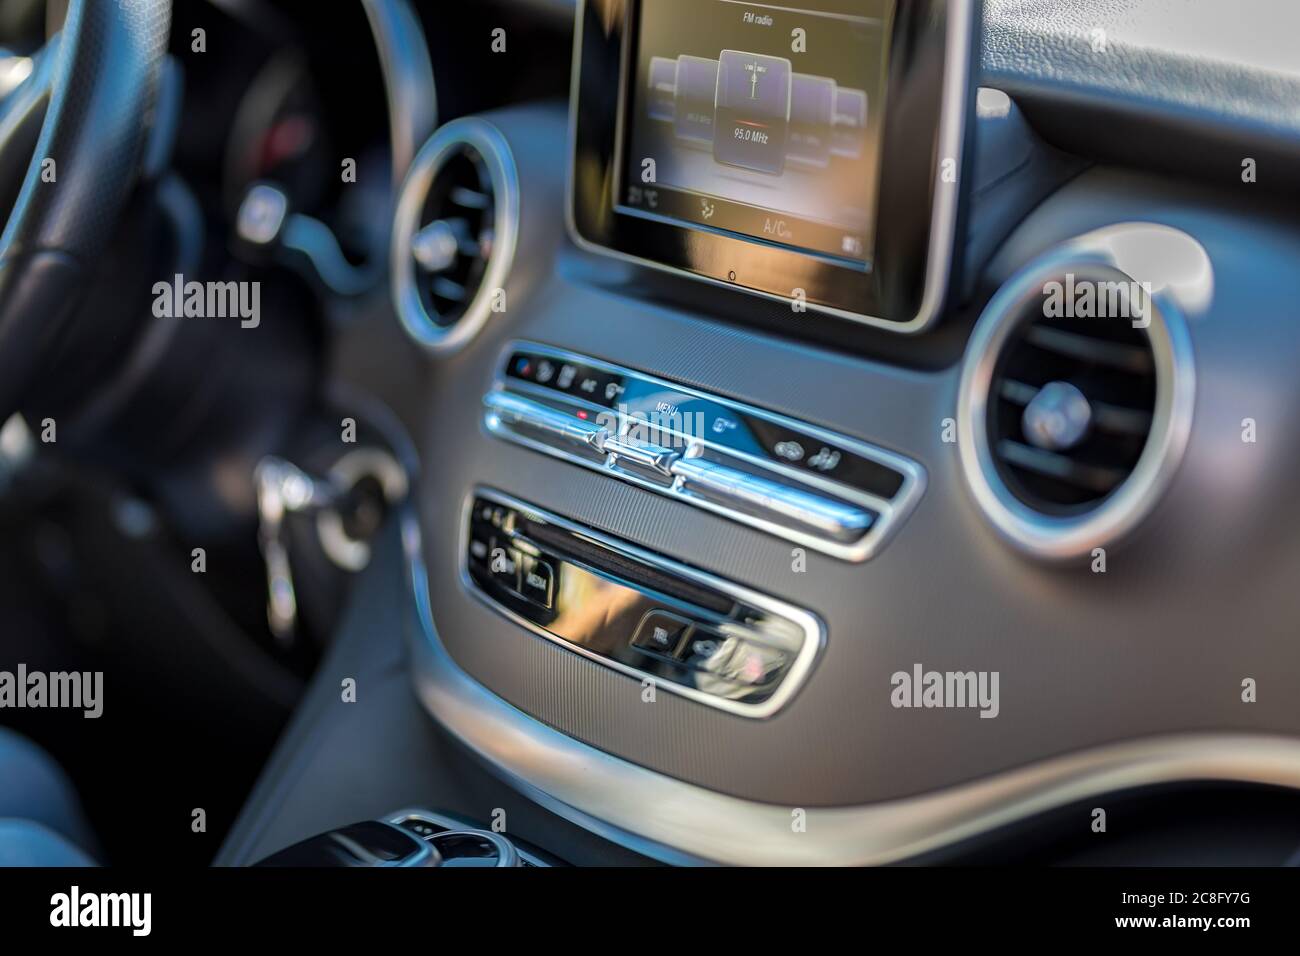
x,y
809,152
759,119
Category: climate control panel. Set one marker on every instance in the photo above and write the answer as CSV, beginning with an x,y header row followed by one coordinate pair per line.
x,y
652,618
835,494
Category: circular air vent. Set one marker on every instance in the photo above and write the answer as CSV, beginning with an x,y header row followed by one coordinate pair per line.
x,y
1075,405
454,233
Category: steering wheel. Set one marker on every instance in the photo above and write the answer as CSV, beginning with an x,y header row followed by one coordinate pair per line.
x,y
77,125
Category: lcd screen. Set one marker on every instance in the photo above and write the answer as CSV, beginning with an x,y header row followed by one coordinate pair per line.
x,y
759,119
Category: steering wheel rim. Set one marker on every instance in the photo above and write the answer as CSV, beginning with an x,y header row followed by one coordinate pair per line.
x,y
102,83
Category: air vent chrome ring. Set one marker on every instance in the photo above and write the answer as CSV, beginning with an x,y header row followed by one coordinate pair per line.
x,y
491,253
1065,536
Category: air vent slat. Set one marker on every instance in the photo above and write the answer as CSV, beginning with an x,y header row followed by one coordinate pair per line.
x,y
1017,392
1050,464
446,289
1134,359
469,198
1105,416
1120,421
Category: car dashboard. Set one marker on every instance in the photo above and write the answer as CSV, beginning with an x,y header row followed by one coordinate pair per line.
x,y
695,553
828,432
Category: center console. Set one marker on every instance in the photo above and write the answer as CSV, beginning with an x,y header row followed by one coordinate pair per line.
x,y
668,624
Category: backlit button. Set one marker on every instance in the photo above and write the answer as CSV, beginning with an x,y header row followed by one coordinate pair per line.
x,y
522,367
537,581
661,632
789,450
826,460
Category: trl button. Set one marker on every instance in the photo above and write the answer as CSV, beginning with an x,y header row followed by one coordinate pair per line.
x,y
661,632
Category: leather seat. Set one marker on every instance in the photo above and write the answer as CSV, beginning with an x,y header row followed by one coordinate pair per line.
x,y
41,821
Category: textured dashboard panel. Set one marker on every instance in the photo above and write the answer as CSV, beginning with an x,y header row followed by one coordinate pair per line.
x,y
1199,598
1225,75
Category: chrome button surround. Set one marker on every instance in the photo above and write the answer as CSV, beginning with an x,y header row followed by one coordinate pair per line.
x,y
774,494
481,135
1178,270
754,495
786,641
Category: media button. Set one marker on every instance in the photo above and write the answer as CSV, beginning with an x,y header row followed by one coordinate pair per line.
x,y
537,581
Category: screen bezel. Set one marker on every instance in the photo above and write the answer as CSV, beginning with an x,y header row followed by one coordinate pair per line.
x,y
927,113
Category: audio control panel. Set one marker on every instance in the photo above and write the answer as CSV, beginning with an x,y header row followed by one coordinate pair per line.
x,y
689,632
835,494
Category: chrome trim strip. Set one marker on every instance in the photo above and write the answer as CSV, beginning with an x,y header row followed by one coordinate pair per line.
x,y
523,411
678,822
731,488
492,146
813,630
943,217
656,458
1158,255
891,513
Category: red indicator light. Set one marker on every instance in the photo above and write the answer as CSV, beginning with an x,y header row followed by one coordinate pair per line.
x,y
582,415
